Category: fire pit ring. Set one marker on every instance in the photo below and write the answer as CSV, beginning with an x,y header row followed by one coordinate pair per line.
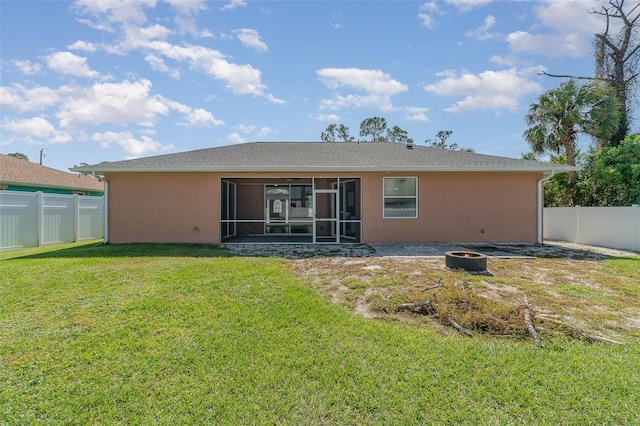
x,y
468,260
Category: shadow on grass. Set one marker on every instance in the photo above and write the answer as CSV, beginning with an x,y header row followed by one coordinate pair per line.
x,y
554,251
100,250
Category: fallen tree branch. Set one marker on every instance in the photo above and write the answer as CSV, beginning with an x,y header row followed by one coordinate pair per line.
x,y
602,339
459,327
426,308
438,285
581,333
528,321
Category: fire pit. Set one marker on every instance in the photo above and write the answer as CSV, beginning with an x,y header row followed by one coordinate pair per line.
x,y
468,260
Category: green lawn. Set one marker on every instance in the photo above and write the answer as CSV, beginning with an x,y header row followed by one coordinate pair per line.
x,y
180,334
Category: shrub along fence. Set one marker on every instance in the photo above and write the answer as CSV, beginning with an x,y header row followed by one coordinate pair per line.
x,y
32,219
613,227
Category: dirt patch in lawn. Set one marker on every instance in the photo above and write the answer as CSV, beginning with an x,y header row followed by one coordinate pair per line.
x,y
564,290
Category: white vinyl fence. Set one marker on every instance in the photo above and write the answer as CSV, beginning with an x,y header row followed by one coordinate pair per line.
x,y
613,227
32,219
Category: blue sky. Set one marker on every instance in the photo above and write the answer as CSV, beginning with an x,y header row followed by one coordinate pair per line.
x,y
104,80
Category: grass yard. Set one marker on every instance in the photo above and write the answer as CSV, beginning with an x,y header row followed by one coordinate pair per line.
x,y
184,334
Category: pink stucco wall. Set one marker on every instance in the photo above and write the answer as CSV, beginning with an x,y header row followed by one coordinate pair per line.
x,y
457,207
452,207
164,207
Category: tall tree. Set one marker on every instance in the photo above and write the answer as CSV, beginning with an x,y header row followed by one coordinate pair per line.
x,y
442,136
396,134
561,114
611,176
374,128
343,133
19,155
617,55
329,135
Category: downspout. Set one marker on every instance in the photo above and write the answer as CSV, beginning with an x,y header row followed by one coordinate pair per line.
x,y
546,176
106,211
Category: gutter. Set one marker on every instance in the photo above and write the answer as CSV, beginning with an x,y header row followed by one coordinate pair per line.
x,y
319,169
106,211
545,177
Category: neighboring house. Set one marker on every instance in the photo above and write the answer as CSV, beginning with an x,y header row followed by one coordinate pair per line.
x,y
21,175
324,192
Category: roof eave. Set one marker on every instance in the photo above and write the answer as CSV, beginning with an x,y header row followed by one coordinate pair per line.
x,y
45,185
561,168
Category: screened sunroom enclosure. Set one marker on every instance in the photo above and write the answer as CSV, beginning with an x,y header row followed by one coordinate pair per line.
x,y
318,210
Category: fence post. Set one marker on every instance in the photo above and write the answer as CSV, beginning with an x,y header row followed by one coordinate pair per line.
x,y
576,235
40,228
76,217
635,227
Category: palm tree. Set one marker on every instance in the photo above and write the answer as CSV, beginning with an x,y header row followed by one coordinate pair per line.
x,y
561,114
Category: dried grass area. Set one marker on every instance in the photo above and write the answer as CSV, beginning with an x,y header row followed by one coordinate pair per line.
x,y
571,292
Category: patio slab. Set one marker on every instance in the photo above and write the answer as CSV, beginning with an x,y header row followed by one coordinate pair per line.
x,y
505,251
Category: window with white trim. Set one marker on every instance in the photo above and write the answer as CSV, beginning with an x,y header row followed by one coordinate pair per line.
x,y
400,197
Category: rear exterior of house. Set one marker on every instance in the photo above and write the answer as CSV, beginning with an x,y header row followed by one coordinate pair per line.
x,y
324,192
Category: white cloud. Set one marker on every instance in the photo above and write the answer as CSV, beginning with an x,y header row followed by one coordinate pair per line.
x,y
245,128
186,10
24,99
132,146
36,127
383,103
572,16
83,46
415,114
102,103
572,30
467,5
427,20
372,81
201,118
482,33
187,7
377,85
70,64
426,12
27,67
141,37
158,64
489,90
114,11
327,117
234,4
554,45
187,24
113,103
430,9
249,129
251,38
264,132
240,79
235,138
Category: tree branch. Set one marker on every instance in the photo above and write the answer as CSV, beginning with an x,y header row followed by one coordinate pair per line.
x,y
528,321
575,77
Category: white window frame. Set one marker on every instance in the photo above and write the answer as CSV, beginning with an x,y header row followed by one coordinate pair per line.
x,y
385,197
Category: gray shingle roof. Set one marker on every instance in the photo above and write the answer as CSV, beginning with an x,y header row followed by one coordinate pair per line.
x,y
323,157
